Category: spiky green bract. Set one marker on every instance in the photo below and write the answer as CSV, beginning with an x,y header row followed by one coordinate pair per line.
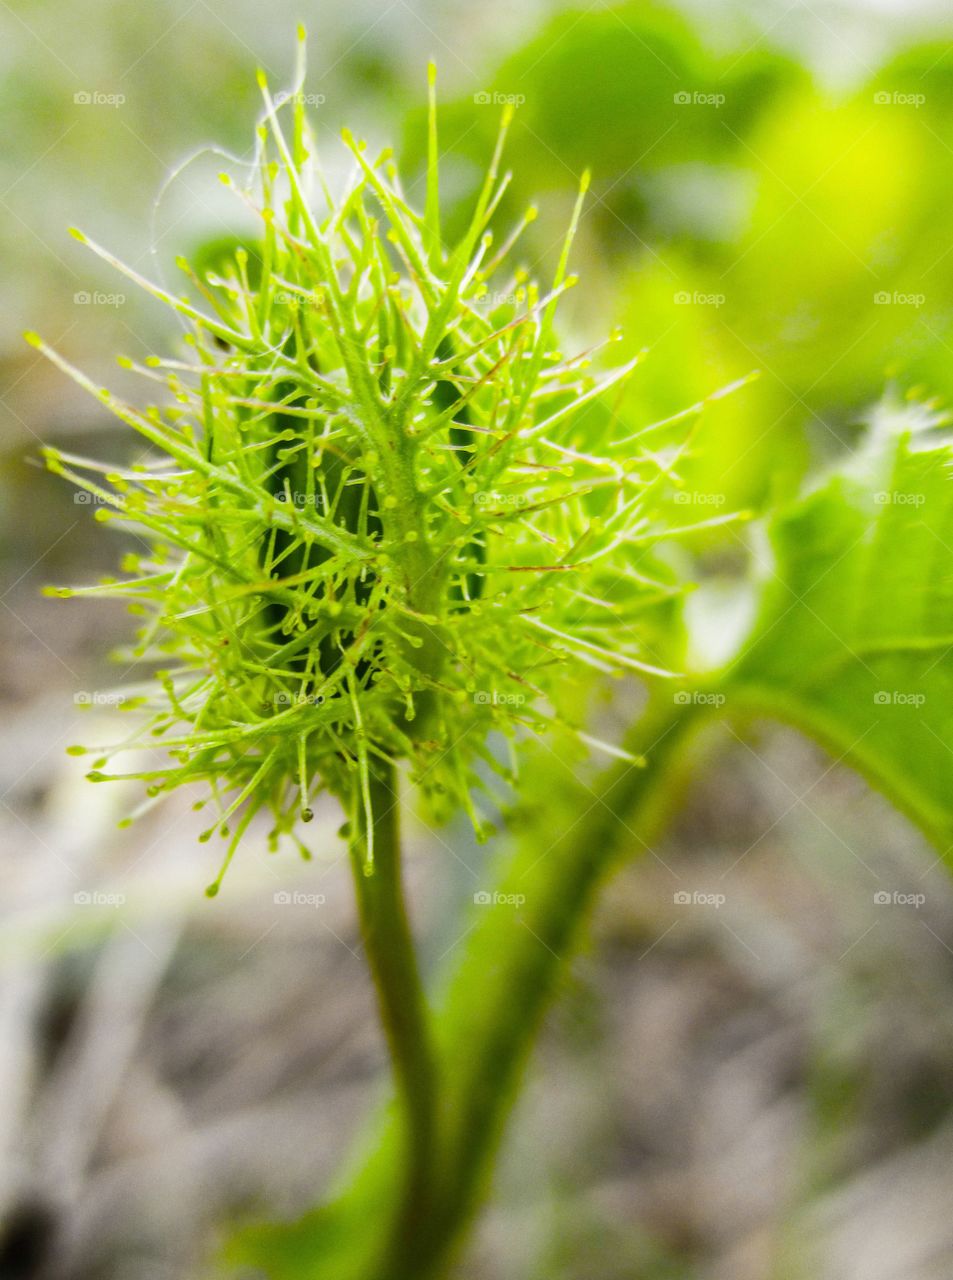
x,y
381,526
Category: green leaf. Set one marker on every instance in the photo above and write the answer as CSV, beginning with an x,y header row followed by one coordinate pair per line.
x,y
854,643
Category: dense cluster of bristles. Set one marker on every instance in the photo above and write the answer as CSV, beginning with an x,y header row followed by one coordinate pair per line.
x,y
385,516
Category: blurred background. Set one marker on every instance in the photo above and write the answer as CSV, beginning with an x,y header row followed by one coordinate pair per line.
x,y
759,1090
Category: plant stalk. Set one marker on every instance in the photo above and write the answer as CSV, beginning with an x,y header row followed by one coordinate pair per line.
x,y
389,947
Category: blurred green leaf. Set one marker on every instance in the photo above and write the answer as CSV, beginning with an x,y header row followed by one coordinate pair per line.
x,y
622,91
855,634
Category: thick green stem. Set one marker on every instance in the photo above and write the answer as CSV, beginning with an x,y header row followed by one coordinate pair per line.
x,y
388,943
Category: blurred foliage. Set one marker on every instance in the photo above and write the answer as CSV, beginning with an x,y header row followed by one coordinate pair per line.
x,y
744,218
857,618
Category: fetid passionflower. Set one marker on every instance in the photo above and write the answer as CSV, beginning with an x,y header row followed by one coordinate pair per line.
x,y
385,515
